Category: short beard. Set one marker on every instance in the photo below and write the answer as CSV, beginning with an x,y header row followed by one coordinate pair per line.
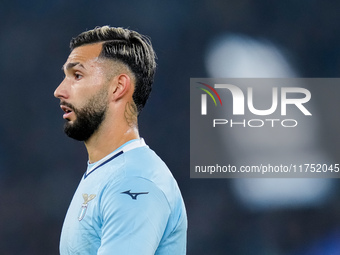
x,y
89,117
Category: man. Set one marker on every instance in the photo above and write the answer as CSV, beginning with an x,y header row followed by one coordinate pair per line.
x,y
127,202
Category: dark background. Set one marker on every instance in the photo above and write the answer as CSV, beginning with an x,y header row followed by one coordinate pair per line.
x,y
40,167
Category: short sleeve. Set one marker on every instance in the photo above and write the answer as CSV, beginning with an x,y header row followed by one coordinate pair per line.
x,y
134,215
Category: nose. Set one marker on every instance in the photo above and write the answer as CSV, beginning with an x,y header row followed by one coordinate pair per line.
x,y
61,91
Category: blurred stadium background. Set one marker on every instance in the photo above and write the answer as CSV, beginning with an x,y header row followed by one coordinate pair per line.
x,y
40,167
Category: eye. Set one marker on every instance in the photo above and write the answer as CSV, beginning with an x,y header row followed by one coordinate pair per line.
x,y
78,76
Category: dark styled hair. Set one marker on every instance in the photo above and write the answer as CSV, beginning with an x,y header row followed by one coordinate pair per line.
x,y
129,47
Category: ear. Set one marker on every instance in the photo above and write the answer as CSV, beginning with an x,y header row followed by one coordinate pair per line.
x,y
122,86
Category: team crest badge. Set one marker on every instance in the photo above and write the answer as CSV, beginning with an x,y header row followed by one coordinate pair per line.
x,y
83,210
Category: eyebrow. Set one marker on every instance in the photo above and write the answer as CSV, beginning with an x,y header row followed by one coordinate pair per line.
x,y
71,65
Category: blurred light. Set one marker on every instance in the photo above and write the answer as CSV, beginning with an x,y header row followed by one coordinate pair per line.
x,y
235,56
261,194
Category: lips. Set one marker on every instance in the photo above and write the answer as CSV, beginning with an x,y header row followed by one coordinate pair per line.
x,y
67,111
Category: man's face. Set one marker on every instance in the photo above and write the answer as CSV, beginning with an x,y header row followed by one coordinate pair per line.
x,y
83,93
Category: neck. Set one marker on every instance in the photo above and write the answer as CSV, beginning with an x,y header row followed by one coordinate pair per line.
x,y
107,139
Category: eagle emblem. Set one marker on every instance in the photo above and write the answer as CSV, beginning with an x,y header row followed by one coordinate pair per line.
x,y
83,210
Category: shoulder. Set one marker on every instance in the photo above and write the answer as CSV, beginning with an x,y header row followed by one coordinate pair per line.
x,y
144,165
140,173
144,161
132,196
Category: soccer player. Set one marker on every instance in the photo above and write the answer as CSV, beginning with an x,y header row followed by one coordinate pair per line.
x,y
127,202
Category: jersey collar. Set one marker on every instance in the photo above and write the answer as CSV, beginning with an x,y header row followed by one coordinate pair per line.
x,y
130,145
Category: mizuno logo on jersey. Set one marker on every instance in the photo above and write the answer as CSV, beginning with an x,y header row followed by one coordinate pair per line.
x,y
133,195
83,210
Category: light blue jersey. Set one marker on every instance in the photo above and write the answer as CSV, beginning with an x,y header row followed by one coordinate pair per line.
x,y
128,203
